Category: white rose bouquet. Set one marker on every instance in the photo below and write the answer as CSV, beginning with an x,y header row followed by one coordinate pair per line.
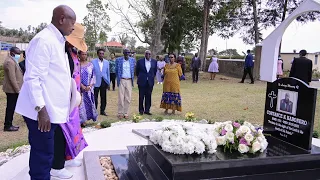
x,y
185,138
242,137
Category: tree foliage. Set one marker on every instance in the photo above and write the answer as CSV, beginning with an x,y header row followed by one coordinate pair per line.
x,y
96,22
124,39
270,14
229,52
132,43
24,36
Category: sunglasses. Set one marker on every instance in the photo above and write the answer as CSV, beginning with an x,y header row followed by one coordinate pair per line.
x,y
171,57
148,53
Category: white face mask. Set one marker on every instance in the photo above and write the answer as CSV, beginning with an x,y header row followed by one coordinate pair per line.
x,y
16,57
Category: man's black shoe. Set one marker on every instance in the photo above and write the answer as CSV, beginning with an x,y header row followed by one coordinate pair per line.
x,y
141,113
104,114
147,113
10,129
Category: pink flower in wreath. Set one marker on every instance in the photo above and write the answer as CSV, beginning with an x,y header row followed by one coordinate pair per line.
x,y
235,124
243,141
223,132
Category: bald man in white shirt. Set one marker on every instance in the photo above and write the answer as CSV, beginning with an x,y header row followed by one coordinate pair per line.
x,y
44,100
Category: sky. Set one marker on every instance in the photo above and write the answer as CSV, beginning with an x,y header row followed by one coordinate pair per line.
x,y
21,13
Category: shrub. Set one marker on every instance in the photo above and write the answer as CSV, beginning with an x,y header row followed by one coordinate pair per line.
x,y
315,134
105,124
211,121
159,119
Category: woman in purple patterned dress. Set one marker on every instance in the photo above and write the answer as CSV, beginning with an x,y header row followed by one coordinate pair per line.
x,y
72,131
88,110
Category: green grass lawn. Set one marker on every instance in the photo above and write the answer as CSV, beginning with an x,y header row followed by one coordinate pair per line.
x,y
217,100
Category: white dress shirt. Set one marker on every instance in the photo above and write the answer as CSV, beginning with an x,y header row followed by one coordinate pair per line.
x,y
47,80
148,64
100,64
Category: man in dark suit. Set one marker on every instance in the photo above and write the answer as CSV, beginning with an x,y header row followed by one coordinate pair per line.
x,y
146,70
286,104
302,67
195,66
248,66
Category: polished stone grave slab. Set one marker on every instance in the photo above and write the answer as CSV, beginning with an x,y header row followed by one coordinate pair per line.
x,y
280,160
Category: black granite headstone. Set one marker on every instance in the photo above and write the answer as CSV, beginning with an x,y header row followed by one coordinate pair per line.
x,y
289,111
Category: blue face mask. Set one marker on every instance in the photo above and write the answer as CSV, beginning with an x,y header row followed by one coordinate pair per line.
x,y
16,57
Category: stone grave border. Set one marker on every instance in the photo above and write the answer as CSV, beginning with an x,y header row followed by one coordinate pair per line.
x,y
92,167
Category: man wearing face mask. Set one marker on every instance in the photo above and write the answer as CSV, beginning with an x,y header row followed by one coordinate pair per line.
x,y
13,79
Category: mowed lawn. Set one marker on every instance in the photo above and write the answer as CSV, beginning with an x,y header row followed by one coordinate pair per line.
x,y
217,100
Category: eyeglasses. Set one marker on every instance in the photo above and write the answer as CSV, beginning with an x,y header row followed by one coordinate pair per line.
x,y
148,53
171,57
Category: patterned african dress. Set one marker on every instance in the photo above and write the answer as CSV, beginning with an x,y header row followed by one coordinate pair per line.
x,y
87,108
72,131
171,98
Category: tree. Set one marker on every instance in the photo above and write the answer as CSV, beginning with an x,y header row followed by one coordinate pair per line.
x,y
96,22
229,52
182,28
219,17
113,39
212,52
132,42
205,31
124,38
103,37
151,15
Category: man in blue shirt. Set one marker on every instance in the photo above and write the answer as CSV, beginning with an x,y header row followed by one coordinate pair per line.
x,y
125,74
248,66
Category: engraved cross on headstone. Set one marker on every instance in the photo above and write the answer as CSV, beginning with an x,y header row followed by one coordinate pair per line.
x,y
272,96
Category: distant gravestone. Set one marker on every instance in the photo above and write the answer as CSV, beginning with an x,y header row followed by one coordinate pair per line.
x,y
289,111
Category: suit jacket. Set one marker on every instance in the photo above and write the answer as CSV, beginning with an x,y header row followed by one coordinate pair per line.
x,y
301,69
119,68
248,63
286,106
105,74
13,76
195,64
145,77
22,65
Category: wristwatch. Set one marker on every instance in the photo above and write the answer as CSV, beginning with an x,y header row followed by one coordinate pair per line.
x,y
38,108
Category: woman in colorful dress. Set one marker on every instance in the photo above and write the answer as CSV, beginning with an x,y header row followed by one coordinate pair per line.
x,y
160,65
213,68
171,98
112,67
280,68
88,109
72,131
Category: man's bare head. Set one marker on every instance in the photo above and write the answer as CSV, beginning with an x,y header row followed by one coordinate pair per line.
x,y
63,18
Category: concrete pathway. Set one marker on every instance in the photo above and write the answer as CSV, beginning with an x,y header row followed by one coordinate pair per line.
x,y
113,138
